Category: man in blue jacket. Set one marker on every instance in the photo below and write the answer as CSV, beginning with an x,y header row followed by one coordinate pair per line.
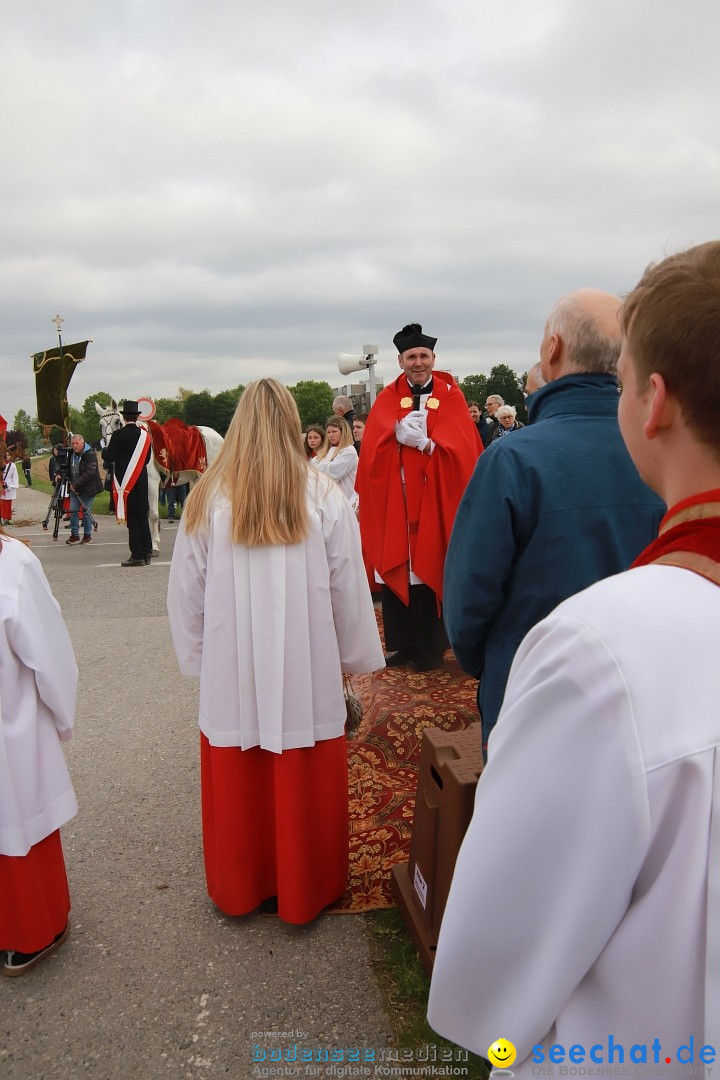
x,y
551,510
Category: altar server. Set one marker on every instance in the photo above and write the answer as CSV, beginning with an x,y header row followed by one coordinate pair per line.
x,y
38,685
583,921
269,605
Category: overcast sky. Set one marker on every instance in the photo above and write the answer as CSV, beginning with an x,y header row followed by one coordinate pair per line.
x,y
222,190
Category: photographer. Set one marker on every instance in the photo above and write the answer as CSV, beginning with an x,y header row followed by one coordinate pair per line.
x,y
85,484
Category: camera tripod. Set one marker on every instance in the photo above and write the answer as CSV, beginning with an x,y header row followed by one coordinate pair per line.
x,y
62,492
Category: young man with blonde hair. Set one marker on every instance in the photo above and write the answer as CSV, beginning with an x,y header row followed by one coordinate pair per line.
x,y
593,853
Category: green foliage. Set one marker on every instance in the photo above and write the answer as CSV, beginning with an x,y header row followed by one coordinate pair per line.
x,y
314,401
28,427
199,409
224,405
166,407
405,987
474,387
76,422
90,426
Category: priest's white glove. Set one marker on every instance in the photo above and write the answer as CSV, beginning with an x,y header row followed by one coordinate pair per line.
x,y
412,430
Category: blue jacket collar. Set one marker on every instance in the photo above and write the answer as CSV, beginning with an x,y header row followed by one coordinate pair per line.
x,y
596,395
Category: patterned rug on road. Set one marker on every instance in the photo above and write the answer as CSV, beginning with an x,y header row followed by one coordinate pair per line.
x,y
383,766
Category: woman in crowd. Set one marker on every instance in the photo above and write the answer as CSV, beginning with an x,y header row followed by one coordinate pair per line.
x,y
9,489
269,605
338,458
506,417
314,440
38,685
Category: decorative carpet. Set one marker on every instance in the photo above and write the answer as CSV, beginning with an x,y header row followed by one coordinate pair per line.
x,y
383,762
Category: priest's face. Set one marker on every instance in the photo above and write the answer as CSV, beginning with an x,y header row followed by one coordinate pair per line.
x,y
417,365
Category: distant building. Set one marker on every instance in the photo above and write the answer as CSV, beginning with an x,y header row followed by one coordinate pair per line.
x,y
358,394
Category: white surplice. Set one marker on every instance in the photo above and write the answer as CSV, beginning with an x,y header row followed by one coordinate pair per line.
x,y
270,630
38,688
342,466
586,896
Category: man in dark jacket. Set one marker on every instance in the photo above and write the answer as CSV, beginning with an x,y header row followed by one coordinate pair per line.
x,y
85,484
128,452
551,510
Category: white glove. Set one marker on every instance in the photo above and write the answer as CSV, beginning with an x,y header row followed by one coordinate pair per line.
x,y
412,430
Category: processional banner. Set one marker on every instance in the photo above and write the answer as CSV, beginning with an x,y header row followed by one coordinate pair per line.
x,y
54,369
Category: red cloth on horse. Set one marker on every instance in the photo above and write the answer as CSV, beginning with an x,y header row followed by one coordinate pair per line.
x,y
34,897
416,516
177,447
275,825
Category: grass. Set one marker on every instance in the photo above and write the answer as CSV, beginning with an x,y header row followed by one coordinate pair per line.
x,y
405,986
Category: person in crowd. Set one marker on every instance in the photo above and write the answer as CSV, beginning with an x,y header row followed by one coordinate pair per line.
x,y
338,458
566,503
358,429
269,605
128,452
27,468
475,414
314,440
600,918
85,484
38,685
534,379
342,406
54,465
10,486
176,496
507,420
419,451
489,428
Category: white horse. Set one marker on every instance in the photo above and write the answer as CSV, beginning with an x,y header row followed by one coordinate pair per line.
x,y
111,420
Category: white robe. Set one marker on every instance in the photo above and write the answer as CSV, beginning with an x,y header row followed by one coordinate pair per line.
x,y
10,479
270,630
578,906
38,687
342,467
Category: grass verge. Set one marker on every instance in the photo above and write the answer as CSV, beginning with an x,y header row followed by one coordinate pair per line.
x,y
405,986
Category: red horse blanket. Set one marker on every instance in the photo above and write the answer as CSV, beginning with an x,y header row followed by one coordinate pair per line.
x,y
177,447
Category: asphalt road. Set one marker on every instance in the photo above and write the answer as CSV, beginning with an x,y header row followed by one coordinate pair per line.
x,y
154,981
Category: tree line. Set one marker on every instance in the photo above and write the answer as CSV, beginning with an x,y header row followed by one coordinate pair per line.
x,y
314,401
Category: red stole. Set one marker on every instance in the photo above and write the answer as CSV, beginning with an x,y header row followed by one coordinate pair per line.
x,y
689,537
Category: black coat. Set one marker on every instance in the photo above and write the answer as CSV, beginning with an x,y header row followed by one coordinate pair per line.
x,y
118,453
86,477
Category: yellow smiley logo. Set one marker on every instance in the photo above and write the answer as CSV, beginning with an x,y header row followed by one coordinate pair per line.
x,y
501,1053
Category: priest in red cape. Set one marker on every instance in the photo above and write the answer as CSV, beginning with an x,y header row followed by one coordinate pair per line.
x,y
584,910
419,451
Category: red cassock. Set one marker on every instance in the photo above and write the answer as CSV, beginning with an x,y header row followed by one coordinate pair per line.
x,y
415,523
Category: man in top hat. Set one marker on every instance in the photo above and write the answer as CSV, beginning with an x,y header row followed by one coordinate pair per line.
x,y
583,921
419,450
128,452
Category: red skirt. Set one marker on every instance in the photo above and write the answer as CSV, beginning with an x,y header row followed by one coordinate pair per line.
x,y
6,506
275,825
34,897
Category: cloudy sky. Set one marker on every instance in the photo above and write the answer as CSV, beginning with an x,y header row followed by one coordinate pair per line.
x,y
222,190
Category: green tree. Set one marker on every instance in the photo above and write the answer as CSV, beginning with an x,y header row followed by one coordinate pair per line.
x,y
474,387
76,422
90,426
29,427
199,409
507,383
224,405
314,401
166,407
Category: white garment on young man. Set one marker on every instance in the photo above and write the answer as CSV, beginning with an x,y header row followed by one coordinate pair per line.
x,y
342,467
578,906
38,687
270,630
10,481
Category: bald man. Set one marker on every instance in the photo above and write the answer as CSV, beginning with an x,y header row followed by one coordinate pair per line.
x,y
565,501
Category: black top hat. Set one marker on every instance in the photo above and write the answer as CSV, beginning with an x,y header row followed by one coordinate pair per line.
x,y
412,337
130,408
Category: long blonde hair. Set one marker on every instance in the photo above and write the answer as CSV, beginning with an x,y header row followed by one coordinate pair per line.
x,y
261,469
346,438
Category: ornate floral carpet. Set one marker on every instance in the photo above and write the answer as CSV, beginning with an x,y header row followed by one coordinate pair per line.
x,y
383,764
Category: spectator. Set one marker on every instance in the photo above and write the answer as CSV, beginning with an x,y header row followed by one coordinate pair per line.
x,y
269,604
176,495
314,440
27,466
489,430
534,379
9,489
566,503
358,429
507,420
338,458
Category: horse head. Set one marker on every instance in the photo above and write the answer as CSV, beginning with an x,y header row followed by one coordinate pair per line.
x,y
110,419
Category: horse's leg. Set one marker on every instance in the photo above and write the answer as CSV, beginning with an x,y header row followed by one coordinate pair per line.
x,y
153,492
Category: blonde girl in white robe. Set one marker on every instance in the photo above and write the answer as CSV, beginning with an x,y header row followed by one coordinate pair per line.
x,y
9,490
338,458
269,605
